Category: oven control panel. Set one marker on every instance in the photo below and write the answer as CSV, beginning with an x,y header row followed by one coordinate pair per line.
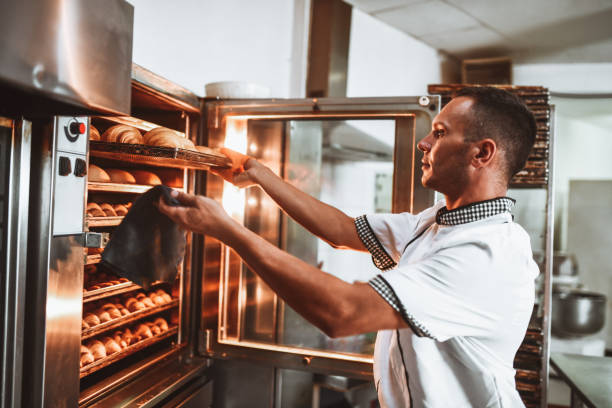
x,y
70,155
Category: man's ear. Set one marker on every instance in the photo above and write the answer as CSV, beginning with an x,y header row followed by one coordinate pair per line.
x,y
486,149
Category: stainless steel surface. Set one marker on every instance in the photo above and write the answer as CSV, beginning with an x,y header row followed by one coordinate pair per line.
x,y
16,152
160,88
588,377
93,240
77,51
577,313
550,231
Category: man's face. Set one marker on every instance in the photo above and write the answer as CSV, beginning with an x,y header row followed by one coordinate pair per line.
x,y
446,157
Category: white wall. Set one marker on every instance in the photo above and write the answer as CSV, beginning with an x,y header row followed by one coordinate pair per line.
x,y
384,61
566,78
193,42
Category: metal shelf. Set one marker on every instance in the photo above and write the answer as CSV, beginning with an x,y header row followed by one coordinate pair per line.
x,y
93,259
98,294
104,221
117,187
123,320
134,122
128,351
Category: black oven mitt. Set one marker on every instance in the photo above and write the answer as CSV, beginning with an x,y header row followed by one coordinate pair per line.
x,y
147,246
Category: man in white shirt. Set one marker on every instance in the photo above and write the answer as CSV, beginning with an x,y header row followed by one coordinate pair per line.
x,y
457,293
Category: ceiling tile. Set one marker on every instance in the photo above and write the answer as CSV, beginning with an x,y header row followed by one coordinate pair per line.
x,y
372,6
433,16
467,41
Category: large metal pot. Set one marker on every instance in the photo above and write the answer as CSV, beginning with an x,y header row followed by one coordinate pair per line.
x,y
577,313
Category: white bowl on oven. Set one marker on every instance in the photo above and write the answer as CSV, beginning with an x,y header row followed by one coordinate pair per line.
x,y
236,90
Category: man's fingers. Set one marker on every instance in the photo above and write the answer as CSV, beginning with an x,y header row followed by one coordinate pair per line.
x,y
189,200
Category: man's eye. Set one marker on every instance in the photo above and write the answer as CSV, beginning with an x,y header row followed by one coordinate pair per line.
x,y
438,133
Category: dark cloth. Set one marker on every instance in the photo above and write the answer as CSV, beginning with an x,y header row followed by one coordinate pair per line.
x,y
147,246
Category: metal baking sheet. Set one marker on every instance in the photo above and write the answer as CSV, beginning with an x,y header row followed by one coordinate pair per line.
x,y
123,320
158,156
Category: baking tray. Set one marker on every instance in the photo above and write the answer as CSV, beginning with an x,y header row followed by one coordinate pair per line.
x,y
117,187
158,156
128,351
123,320
111,221
102,293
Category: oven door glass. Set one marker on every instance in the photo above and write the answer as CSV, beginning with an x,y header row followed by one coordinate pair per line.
x,y
358,158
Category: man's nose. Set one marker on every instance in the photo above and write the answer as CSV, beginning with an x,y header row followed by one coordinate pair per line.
x,y
425,144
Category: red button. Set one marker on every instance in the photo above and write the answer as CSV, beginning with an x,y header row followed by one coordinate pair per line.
x,y
81,128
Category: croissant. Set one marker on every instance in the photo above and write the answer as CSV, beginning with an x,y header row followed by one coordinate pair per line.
x,y
104,316
145,300
97,349
143,332
93,133
120,210
128,337
122,309
84,325
86,356
91,319
164,295
154,329
112,310
111,346
119,339
134,305
94,210
165,137
161,323
158,300
122,134
108,209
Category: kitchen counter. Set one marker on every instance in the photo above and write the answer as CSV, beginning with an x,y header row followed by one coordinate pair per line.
x,y
590,378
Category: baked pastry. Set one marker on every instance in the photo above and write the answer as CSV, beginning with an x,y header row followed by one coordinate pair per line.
x,y
154,328
143,332
167,298
108,210
86,356
94,210
94,134
165,137
97,349
117,336
120,209
122,134
161,323
158,300
95,173
111,346
146,177
122,309
84,325
128,337
91,319
147,302
121,176
103,315
134,305
112,310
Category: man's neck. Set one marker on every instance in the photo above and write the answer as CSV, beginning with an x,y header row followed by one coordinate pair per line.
x,y
474,194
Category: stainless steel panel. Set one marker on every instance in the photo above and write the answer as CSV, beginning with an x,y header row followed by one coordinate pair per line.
x,y
16,150
74,51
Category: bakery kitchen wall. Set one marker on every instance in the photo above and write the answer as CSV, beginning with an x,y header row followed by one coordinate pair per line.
x,y
193,42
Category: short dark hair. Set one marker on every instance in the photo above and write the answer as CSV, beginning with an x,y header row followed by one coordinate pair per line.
x,y
503,117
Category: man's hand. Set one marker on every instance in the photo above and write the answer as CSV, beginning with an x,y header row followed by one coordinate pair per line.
x,y
241,172
199,214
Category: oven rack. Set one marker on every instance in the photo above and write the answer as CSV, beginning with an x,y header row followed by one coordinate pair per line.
x,y
131,349
111,221
93,259
117,187
119,289
123,320
135,122
158,156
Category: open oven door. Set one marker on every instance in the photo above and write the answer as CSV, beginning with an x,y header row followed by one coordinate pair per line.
x,y
358,154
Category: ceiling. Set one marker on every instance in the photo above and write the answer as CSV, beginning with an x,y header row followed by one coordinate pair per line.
x,y
529,30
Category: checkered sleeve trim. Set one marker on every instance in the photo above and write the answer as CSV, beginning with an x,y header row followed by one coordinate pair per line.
x,y
382,287
380,257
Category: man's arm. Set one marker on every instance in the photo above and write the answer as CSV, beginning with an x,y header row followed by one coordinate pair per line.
x,y
336,307
323,220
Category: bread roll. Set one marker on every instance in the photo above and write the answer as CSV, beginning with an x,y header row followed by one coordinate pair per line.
x,y
118,337
111,346
86,356
93,133
143,332
161,323
94,210
91,319
122,309
122,134
121,176
167,298
147,302
97,349
95,173
128,337
158,300
146,177
108,209
123,280
120,210
84,325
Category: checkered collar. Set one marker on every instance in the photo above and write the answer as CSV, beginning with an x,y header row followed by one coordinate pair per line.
x,y
474,211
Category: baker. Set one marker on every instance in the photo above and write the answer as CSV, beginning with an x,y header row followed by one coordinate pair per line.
x,y
457,289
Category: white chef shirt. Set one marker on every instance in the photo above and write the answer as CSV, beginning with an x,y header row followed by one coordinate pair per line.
x,y
464,282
